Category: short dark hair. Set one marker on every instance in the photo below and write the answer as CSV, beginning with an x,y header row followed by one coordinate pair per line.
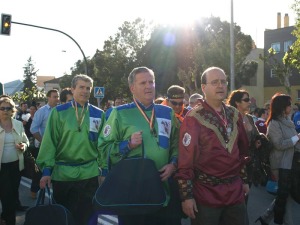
x,y
236,96
51,91
63,94
260,112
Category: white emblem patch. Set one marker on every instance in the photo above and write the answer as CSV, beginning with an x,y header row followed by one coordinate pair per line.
x,y
94,124
186,140
164,127
106,130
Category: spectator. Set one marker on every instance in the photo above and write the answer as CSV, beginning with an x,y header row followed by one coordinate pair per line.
x,y
118,101
68,155
282,134
194,100
65,95
212,152
175,97
142,120
40,119
159,100
261,122
296,118
14,143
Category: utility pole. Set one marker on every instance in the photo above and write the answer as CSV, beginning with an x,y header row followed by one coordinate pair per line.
x,y
232,80
47,28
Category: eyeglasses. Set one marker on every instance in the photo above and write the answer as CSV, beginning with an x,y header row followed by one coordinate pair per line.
x,y
245,99
176,103
217,82
5,108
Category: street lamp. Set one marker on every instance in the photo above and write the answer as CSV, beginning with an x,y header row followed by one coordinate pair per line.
x,y
232,85
47,28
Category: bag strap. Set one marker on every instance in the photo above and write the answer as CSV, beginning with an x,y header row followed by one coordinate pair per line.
x,y
42,195
124,157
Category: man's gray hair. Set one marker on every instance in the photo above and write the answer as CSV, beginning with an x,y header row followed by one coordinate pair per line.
x,y
136,71
82,77
193,98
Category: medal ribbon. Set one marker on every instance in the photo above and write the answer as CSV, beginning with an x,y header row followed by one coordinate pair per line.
x,y
82,115
151,120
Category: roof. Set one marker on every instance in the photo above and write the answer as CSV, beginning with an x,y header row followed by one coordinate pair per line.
x,y
13,87
41,79
53,81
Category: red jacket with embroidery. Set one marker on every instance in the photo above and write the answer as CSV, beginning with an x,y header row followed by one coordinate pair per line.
x,y
206,145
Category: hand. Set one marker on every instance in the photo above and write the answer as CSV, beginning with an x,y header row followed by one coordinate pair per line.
x,y
167,171
101,180
20,146
246,189
257,144
44,181
189,207
136,139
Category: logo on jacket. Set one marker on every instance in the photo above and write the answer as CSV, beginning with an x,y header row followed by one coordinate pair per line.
x,y
164,127
94,124
106,130
186,140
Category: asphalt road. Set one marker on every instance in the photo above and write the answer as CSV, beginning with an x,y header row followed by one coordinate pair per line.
x,y
259,200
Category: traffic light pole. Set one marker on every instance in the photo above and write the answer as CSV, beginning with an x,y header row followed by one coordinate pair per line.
x,y
47,28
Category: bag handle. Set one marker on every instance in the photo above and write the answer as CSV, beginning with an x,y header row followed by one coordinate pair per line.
x,y
124,157
42,195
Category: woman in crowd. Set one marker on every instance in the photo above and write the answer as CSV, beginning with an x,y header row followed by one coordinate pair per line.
x,y
282,134
240,100
13,142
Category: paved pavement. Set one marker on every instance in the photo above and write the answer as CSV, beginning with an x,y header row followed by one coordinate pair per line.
x,y
259,200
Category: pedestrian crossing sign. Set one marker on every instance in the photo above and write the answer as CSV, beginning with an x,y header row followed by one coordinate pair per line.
x,y
99,92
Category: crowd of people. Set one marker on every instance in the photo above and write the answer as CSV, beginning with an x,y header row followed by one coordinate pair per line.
x,y
209,149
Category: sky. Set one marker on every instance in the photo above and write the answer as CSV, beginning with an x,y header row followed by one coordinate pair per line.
x,y
91,22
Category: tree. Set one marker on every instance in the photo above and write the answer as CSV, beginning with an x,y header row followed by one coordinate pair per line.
x,y
30,96
179,55
29,75
293,56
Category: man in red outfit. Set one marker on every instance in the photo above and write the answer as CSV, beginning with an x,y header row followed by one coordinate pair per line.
x,y
212,155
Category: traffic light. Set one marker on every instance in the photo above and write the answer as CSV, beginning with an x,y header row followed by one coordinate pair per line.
x,y
5,24
1,89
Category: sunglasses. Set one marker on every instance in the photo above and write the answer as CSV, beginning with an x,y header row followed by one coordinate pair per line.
x,y
176,103
245,99
5,108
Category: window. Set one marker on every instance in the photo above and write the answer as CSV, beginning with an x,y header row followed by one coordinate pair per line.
x,y
286,45
276,46
273,73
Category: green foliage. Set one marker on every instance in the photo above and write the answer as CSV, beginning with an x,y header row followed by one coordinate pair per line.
x,y
246,72
29,75
293,56
178,55
30,92
30,95
281,67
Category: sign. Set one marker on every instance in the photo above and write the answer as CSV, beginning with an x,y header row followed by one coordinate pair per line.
x,y
99,92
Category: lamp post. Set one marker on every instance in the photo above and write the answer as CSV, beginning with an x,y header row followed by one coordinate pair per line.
x,y
47,28
232,85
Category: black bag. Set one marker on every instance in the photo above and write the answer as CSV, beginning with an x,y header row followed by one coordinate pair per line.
x,y
295,188
132,187
30,167
48,214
